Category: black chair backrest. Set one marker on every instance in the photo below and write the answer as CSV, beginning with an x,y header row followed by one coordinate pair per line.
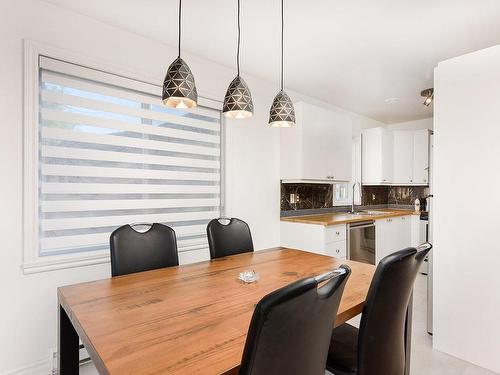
x,y
291,328
381,340
228,239
133,251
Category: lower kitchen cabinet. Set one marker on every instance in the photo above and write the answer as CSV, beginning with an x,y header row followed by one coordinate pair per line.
x,y
391,235
320,239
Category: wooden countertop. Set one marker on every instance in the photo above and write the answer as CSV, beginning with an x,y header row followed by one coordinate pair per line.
x,y
335,218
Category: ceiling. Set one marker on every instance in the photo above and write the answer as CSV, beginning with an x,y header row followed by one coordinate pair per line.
x,y
354,54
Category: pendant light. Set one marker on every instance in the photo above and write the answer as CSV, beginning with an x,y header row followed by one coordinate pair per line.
x,y
238,100
282,114
179,89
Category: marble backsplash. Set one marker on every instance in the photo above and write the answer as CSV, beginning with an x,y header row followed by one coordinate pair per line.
x,y
374,195
393,195
306,196
405,195
300,196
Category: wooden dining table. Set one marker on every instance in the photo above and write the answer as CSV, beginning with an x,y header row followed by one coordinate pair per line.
x,y
190,319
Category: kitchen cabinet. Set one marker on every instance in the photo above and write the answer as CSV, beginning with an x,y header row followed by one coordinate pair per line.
x,y
377,163
391,235
320,239
402,157
411,157
397,157
421,157
318,147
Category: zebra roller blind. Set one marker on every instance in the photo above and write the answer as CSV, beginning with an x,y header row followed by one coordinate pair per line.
x,y
110,153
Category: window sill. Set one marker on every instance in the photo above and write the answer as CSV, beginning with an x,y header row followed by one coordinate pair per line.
x,y
59,264
52,265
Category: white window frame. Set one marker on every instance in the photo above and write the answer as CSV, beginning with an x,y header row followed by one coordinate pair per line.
x,y
355,177
342,202
32,262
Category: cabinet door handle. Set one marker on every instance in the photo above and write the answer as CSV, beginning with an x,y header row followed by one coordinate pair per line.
x,y
411,180
337,233
338,251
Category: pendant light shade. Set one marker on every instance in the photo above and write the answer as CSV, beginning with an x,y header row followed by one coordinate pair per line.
x,y
282,113
238,100
179,89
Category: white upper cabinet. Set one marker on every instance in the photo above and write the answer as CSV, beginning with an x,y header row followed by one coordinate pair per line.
x,y
411,157
421,157
318,147
398,157
403,157
377,163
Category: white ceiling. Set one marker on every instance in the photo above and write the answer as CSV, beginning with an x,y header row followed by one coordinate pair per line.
x,y
354,54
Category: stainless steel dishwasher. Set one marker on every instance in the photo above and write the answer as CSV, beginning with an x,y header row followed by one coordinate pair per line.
x,y
362,241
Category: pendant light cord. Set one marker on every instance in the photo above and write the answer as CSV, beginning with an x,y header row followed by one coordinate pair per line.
x,y
179,43
282,27
239,37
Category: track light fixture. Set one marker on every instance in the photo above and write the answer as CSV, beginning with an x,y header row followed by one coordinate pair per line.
x,y
428,94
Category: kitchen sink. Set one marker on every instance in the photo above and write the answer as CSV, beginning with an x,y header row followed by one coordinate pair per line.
x,y
370,213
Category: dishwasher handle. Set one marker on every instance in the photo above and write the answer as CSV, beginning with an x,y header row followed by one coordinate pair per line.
x,y
363,224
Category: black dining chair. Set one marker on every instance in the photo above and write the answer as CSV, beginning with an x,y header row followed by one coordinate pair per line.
x,y
134,251
228,237
378,347
291,327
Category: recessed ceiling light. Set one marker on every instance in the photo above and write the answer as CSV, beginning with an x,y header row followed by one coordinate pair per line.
x,y
392,100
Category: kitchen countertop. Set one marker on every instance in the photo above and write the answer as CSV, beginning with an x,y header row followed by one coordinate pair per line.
x,y
335,218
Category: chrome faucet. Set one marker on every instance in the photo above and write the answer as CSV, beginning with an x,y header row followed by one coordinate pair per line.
x,y
360,195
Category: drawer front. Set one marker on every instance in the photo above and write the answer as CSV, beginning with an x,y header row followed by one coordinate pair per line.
x,y
335,233
336,249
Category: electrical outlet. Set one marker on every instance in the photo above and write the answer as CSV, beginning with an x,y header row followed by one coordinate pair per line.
x,y
373,197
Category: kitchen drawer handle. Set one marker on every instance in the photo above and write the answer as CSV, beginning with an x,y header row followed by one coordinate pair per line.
x,y
338,251
337,233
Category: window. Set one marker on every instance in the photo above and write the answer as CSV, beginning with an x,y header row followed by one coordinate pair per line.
x,y
109,153
343,191
342,195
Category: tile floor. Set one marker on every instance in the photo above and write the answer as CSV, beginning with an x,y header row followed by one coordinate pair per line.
x,y
425,360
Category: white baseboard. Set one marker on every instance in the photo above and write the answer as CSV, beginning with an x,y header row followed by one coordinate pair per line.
x,y
37,368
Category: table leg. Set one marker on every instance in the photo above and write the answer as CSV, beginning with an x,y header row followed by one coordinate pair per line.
x,y
68,346
408,329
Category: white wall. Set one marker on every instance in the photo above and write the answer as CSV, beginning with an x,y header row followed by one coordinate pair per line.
x,y
426,123
359,123
466,207
28,313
